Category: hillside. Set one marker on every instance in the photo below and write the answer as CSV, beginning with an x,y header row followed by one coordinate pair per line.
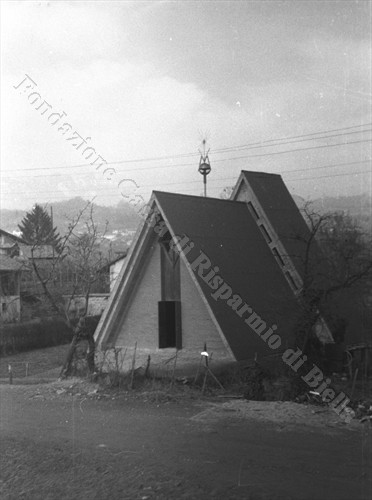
x,y
123,220
359,207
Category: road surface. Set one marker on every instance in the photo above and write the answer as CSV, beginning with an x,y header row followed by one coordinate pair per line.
x,y
76,446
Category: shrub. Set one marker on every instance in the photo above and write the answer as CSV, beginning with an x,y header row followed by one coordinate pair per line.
x,y
37,334
258,383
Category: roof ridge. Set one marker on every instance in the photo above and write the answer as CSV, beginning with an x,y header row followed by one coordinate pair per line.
x,y
255,172
209,198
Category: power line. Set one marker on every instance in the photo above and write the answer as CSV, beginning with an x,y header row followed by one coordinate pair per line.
x,y
115,190
333,175
296,179
282,171
262,143
325,166
300,136
214,161
293,150
254,145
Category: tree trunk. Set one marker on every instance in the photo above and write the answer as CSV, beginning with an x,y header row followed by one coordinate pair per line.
x,y
80,332
69,356
91,353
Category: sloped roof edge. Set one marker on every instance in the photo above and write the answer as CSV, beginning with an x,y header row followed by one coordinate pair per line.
x,y
13,236
103,329
108,317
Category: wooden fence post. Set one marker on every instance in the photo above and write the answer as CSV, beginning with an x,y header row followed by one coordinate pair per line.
x,y
133,366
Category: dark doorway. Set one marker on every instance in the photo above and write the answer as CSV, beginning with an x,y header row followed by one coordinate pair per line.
x,y
169,324
169,308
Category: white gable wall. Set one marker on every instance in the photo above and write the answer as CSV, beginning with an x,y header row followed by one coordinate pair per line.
x,y
141,319
140,323
197,325
242,193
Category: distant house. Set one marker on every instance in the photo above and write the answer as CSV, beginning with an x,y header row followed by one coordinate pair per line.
x,y
43,256
110,271
10,279
100,291
22,254
10,244
96,304
233,287
41,253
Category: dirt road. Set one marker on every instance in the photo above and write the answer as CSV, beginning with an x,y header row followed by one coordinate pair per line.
x,y
76,447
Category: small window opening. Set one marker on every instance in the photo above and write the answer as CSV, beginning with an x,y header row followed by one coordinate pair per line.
x,y
278,257
291,280
253,210
265,233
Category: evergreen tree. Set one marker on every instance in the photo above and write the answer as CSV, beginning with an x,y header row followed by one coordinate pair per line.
x,y
37,228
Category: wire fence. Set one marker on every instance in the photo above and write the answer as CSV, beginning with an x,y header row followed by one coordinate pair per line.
x,y
21,370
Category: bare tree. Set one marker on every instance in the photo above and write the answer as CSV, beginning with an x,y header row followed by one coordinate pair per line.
x,y
336,257
72,272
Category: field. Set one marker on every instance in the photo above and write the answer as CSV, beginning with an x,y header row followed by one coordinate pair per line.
x,y
33,362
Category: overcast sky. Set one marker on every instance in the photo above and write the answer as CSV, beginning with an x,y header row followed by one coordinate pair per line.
x,y
145,80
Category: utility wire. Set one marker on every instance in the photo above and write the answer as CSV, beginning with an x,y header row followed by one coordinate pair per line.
x,y
293,150
298,136
214,161
115,190
327,176
281,172
254,145
89,173
265,143
289,180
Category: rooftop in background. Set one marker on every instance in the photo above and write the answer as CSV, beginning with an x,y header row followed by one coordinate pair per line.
x,y
12,236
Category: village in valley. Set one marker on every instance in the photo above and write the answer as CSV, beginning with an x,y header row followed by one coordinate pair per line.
x,y
181,322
